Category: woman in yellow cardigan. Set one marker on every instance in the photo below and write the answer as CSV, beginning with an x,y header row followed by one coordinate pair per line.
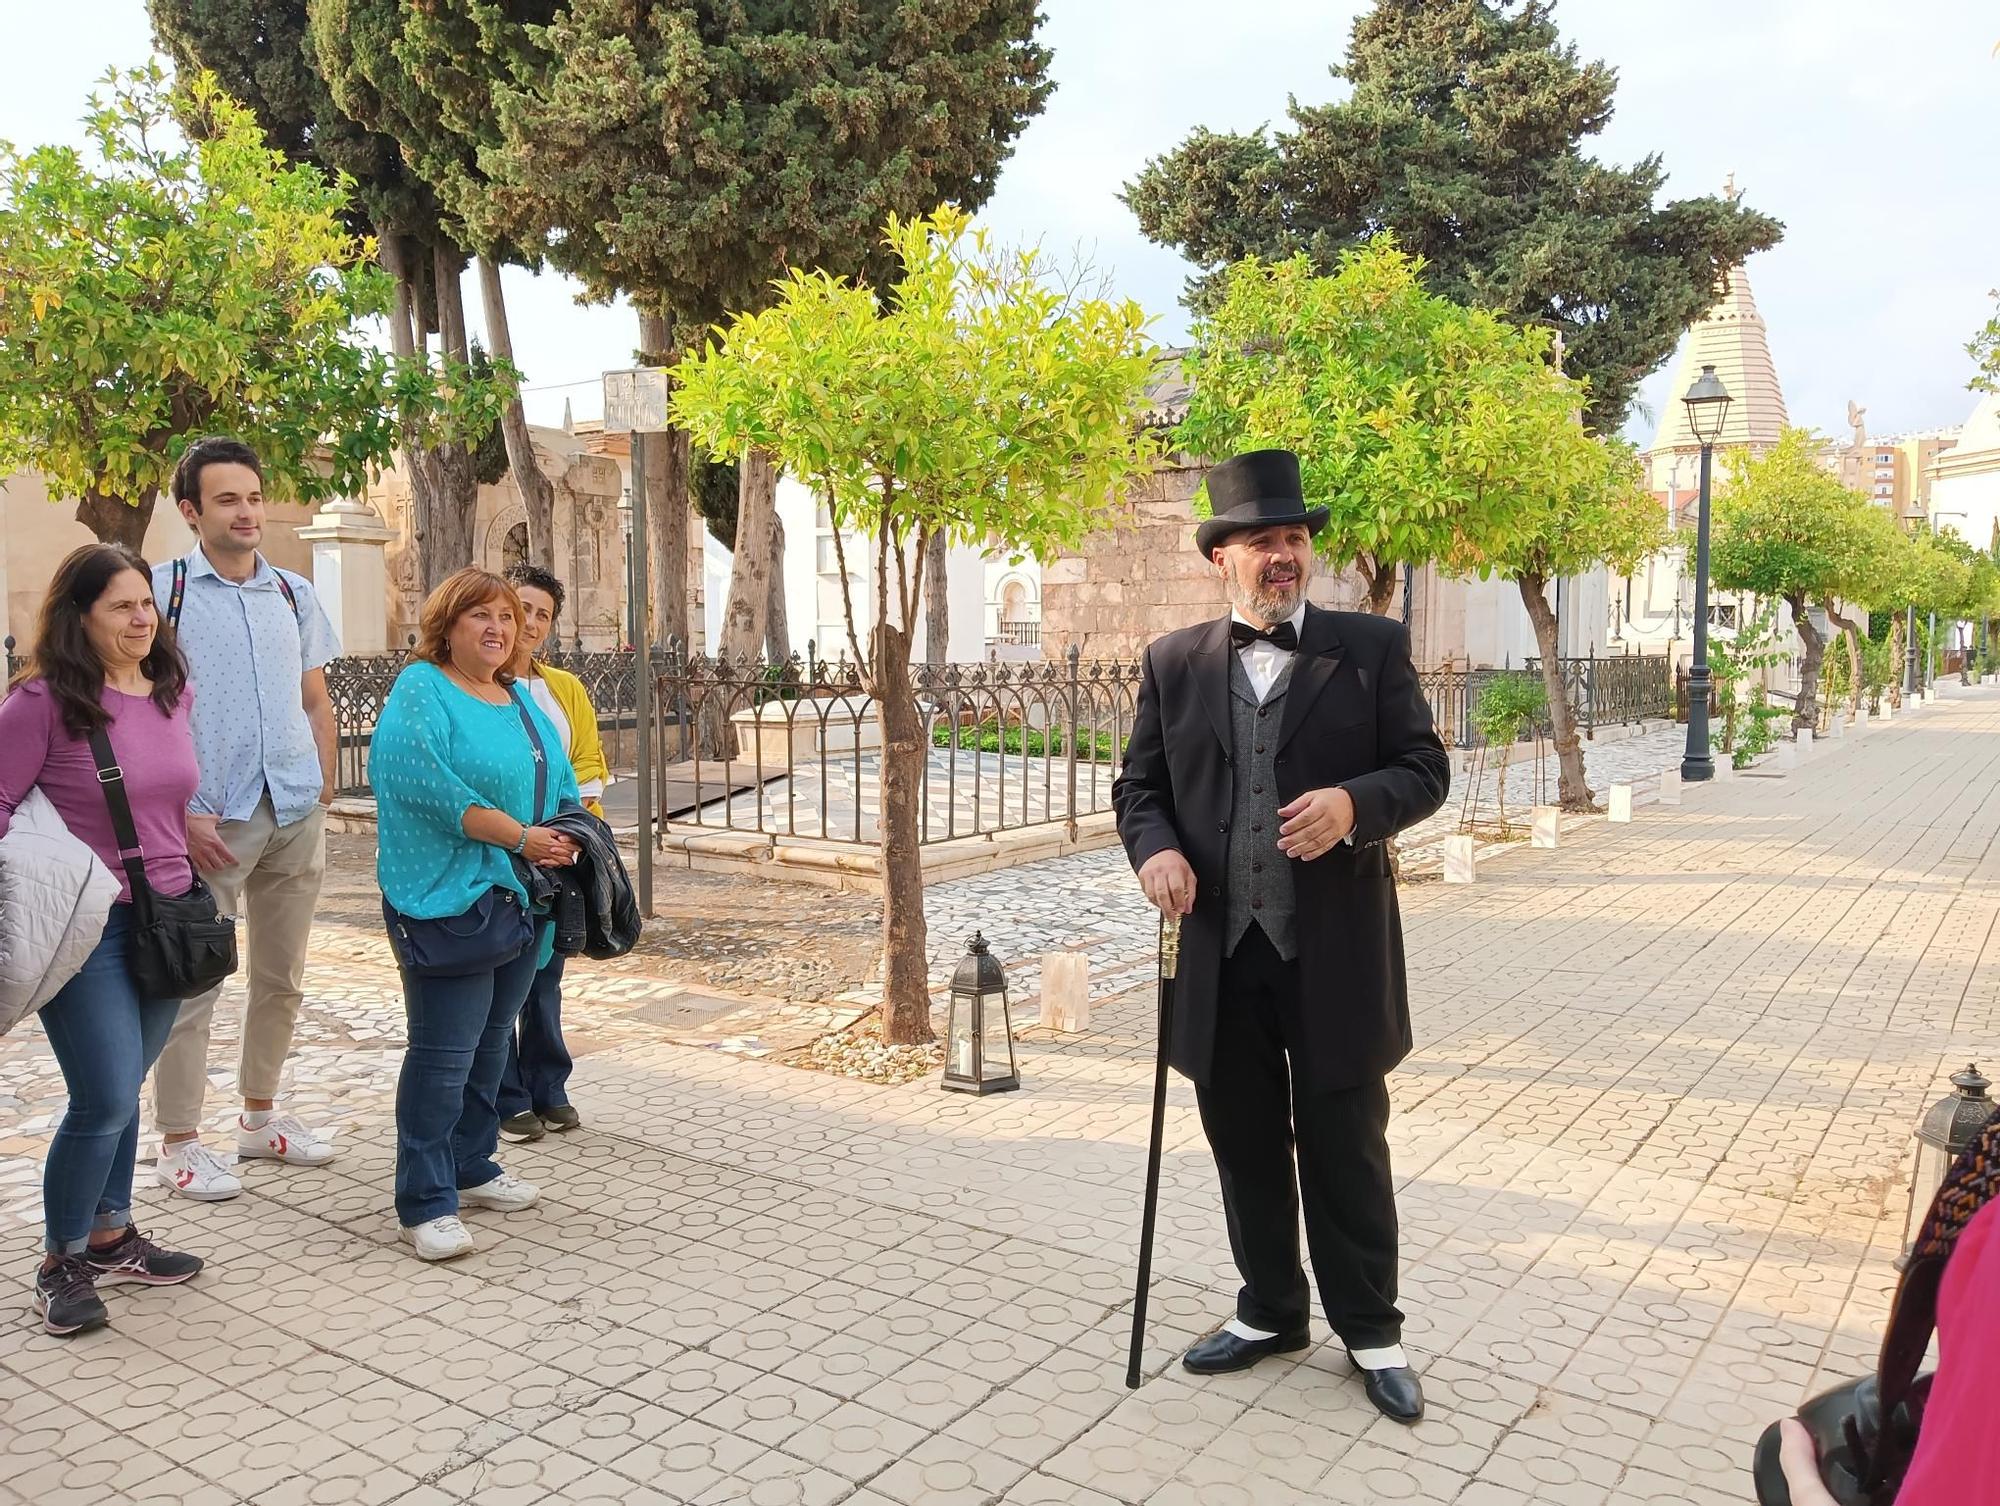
x,y
534,1092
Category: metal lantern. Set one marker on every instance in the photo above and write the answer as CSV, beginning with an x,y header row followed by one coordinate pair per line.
x,y
1947,1129
1707,403
979,1038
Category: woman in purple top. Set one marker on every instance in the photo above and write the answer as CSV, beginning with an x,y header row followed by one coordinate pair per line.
x,y
102,659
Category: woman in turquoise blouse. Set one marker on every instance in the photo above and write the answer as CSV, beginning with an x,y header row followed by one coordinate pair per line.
x,y
454,772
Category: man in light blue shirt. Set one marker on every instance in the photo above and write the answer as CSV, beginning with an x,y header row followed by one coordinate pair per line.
x,y
257,643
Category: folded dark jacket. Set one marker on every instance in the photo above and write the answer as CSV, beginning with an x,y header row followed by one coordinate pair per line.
x,y
593,906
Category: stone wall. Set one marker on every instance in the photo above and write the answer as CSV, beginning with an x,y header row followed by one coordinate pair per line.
x,y
1141,577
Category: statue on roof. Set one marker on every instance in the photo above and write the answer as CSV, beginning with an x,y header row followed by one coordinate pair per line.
x,y
1856,416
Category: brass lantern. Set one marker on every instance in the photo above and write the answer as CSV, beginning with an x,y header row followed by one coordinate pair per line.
x,y
1947,1129
979,1038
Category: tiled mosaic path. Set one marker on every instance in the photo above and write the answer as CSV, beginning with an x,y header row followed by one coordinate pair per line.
x,y
1651,1149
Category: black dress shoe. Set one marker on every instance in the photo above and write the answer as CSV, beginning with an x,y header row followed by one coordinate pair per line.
x,y
1223,1351
561,1118
1397,1393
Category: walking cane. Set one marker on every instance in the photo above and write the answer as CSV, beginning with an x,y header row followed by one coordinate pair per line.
x,y
1170,956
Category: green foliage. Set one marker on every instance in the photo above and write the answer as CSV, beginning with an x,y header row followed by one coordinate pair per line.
x,y
1463,134
162,292
1507,706
1760,729
688,152
1732,662
714,486
1984,348
1785,528
977,397
989,737
262,54
1431,431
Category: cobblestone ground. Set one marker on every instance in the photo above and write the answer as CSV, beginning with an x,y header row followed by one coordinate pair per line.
x,y
1651,1153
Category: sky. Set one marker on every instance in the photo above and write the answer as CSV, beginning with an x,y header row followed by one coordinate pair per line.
x,y
1866,128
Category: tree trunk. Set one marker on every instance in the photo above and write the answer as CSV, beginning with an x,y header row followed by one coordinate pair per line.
x,y
445,527
1806,714
401,256
1572,790
743,614
538,493
115,521
777,628
666,501
1381,585
1851,631
1897,648
906,999
937,607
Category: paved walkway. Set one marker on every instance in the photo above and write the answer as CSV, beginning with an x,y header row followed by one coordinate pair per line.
x,y
1652,1155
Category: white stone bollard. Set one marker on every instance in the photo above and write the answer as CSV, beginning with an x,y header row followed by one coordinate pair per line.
x,y
1888,712
1804,738
1837,728
1545,829
1621,802
1787,755
1670,786
1459,859
1066,990
1861,719
1725,768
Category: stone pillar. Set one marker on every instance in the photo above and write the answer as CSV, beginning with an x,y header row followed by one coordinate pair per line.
x,y
1066,990
351,572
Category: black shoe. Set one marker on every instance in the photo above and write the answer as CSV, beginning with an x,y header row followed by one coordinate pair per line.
x,y
524,1126
1222,1351
137,1258
1397,1393
560,1118
66,1297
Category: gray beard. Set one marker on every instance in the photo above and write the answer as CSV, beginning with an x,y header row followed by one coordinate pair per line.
x,y
1269,604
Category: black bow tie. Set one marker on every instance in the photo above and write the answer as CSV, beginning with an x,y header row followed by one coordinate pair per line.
x,y
1284,635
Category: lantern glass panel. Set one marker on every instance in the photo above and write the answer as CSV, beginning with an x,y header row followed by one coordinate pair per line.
x,y
1932,1164
997,1048
959,1036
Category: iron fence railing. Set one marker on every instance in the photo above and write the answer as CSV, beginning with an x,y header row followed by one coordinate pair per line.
x,y
1616,689
359,684
793,749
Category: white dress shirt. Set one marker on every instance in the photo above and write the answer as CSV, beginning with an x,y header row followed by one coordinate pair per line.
x,y
1263,660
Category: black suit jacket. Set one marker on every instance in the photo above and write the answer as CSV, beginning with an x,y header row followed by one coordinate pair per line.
x,y
1354,716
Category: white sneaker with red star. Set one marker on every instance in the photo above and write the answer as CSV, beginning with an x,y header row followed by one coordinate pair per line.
x,y
282,1137
193,1170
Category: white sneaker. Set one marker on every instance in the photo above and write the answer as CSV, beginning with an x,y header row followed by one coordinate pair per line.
x,y
504,1193
193,1170
283,1137
438,1238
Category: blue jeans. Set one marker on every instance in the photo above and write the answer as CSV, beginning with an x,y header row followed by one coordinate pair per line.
x,y
537,1075
105,1038
447,1119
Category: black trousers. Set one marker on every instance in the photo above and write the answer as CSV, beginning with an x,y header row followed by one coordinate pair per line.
x,y
1255,1122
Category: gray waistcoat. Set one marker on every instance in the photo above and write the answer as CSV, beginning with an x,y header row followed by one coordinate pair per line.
x,y
1260,877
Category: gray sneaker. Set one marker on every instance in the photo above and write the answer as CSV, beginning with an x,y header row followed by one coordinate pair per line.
x,y
66,1297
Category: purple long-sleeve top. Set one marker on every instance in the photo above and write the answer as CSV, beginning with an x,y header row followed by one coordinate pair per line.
x,y
155,749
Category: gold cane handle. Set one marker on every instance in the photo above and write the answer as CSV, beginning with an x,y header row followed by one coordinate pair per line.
x,y
1170,945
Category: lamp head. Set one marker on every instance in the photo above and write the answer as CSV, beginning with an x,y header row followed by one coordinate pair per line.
x,y
1707,406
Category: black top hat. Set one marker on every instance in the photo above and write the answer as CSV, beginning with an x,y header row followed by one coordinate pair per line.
x,y
1255,490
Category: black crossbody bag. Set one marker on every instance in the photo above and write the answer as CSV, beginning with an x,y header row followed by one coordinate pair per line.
x,y
495,930
180,946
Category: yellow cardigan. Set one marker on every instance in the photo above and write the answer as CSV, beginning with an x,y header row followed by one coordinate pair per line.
x,y
586,748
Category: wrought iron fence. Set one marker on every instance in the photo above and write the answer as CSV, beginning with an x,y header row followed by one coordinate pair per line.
x,y
1616,689
359,684
793,748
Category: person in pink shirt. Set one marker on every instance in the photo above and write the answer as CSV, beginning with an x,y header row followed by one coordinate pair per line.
x,y
1958,1447
102,661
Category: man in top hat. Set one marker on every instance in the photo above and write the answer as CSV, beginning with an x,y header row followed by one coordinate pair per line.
x,y
1274,753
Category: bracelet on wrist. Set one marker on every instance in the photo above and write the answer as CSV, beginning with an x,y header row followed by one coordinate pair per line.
x,y
520,843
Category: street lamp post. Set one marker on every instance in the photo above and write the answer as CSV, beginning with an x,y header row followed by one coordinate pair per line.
x,y
1707,404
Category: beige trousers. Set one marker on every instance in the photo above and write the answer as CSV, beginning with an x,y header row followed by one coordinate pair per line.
x,y
273,889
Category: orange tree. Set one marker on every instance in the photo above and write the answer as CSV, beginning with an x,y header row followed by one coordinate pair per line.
x,y
974,396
